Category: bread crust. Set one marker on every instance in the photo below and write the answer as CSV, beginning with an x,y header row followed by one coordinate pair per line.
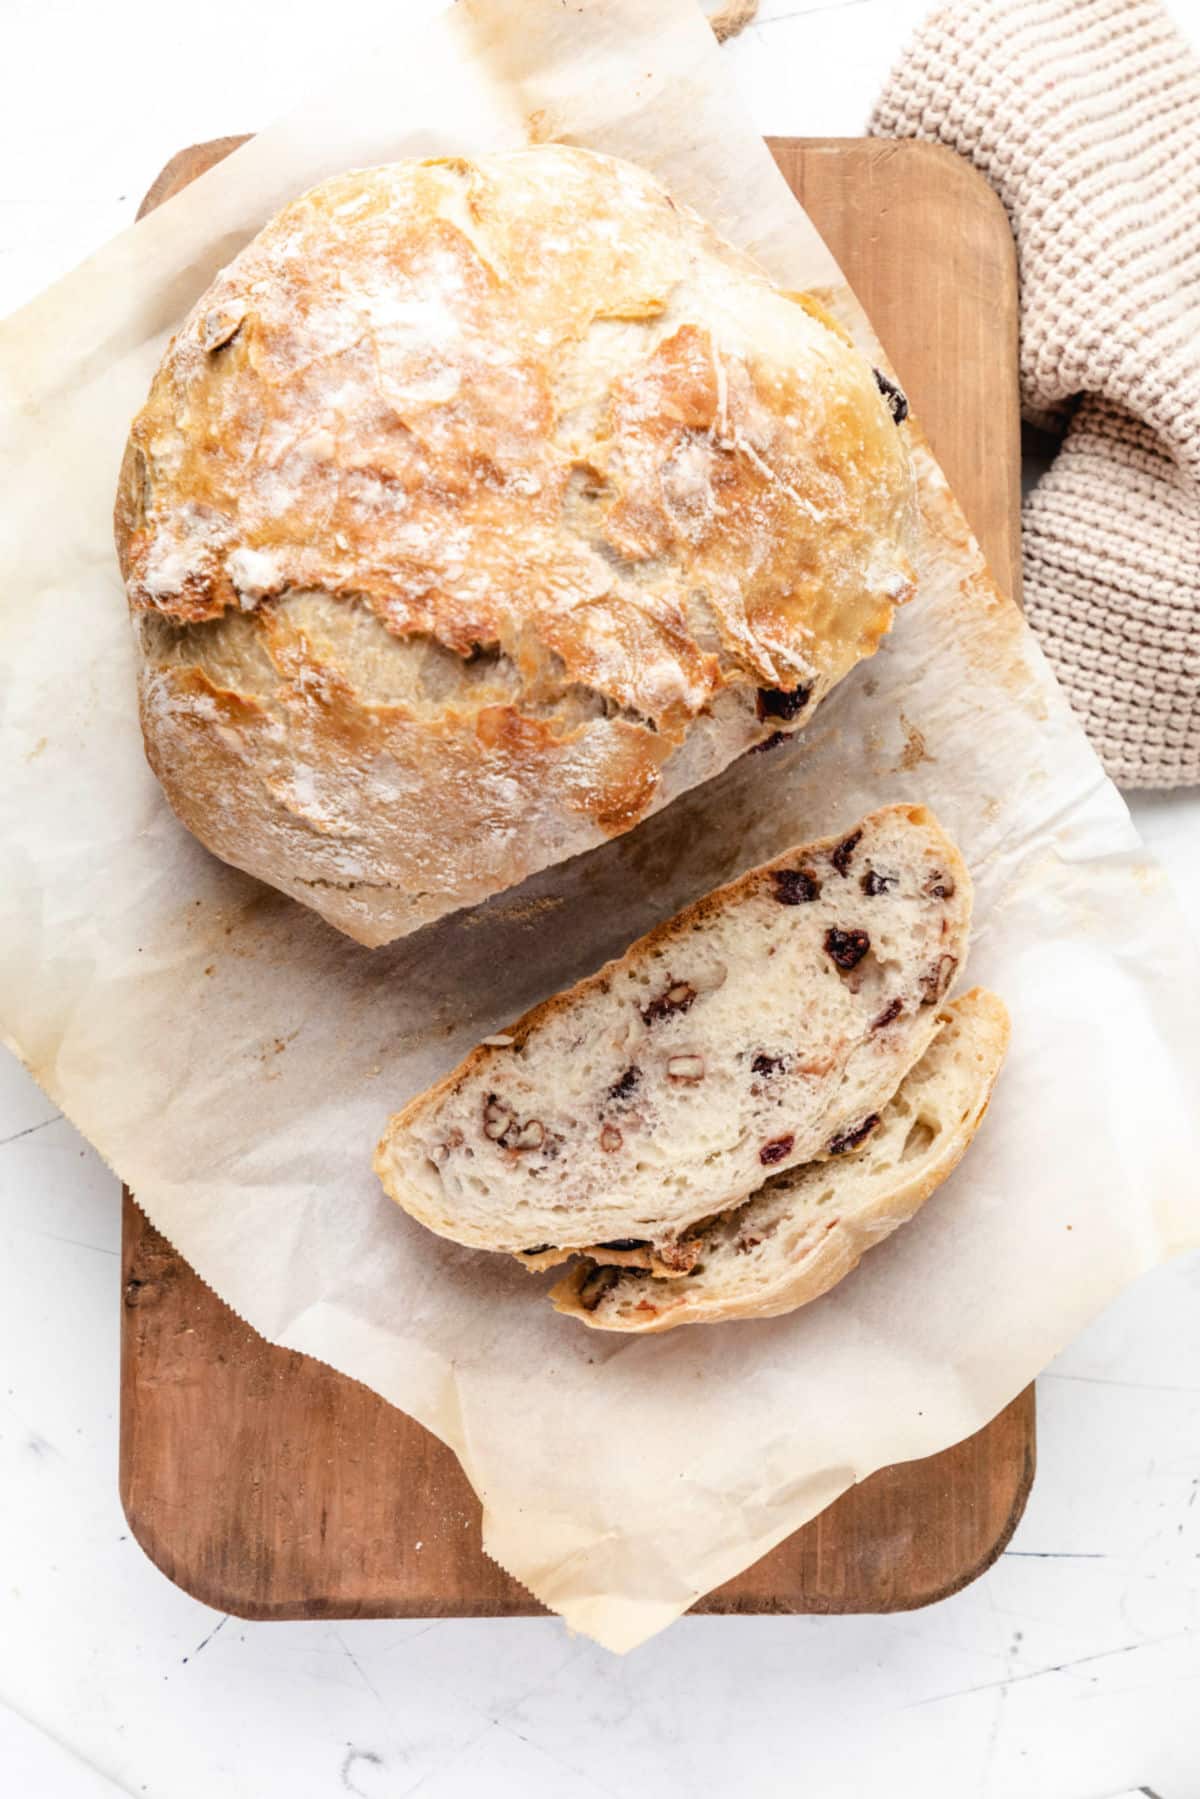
x,y
839,1248
478,509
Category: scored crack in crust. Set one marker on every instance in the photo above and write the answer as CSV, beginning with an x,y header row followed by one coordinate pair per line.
x,y
802,1232
737,1038
478,509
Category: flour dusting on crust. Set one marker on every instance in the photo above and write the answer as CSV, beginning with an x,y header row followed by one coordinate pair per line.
x,y
574,483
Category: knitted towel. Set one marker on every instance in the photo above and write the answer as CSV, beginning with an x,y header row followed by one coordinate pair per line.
x,y
1085,117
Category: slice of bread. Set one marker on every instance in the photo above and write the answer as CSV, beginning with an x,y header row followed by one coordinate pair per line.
x,y
764,1026
805,1230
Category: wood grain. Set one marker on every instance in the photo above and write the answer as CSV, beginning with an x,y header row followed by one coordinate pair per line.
x,y
271,1487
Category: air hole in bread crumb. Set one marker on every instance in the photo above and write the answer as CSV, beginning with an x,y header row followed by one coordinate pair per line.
x,y
920,1136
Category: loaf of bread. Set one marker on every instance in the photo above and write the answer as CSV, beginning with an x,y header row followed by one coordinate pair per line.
x,y
804,1231
478,509
765,1026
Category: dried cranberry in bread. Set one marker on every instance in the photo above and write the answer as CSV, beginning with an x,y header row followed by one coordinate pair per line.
x,y
805,1230
478,509
767,1024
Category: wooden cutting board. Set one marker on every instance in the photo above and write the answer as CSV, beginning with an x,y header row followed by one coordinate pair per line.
x,y
269,1486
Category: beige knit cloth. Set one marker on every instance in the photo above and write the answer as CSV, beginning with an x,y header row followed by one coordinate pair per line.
x,y
1085,117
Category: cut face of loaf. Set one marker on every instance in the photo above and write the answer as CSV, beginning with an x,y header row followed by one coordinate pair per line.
x,y
805,1230
766,1025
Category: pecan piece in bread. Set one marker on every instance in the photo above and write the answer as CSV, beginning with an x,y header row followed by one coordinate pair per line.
x,y
678,998
688,1069
937,978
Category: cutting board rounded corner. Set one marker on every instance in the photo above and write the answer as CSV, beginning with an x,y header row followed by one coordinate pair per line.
x,y
217,1592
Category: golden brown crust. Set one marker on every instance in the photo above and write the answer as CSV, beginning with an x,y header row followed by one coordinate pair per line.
x,y
524,407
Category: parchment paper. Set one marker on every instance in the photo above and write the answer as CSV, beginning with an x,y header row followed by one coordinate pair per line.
x,y
234,1059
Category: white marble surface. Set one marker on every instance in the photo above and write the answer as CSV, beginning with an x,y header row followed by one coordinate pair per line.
x,y
1071,1671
